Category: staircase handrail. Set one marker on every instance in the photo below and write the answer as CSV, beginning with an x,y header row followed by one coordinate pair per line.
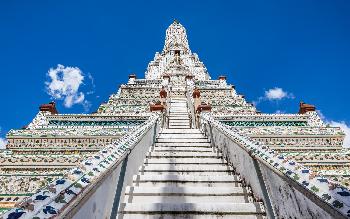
x,y
325,190
190,107
56,197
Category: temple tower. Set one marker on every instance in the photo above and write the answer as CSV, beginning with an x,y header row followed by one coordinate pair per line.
x,y
176,144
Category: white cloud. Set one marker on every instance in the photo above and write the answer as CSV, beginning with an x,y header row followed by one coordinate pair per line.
x,y
277,94
274,94
64,85
346,130
3,143
320,114
280,112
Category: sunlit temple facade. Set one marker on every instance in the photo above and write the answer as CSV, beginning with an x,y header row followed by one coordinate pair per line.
x,y
57,156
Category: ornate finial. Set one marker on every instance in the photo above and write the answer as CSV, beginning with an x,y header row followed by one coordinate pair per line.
x,y
176,39
50,107
304,108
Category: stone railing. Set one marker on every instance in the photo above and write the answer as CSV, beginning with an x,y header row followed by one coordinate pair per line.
x,y
93,188
95,117
148,82
190,107
264,117
288,189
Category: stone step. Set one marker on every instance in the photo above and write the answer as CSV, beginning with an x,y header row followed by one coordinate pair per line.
x,y
184,173
185,168
174,115
192,199
184,140
192,210
186,180
187,215
179,120
187,120
179,126
189,149
183,154
208,161
178,107
187,191
183,144
181,131
185,116
181,197
182,123
171,119
186,123
183,136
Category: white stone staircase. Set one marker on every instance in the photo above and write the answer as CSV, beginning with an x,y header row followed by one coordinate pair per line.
x,y
178,115
183,176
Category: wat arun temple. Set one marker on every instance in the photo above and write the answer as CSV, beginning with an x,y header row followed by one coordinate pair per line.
x,y
176,144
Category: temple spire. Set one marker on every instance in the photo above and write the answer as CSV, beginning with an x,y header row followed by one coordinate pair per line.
x,y
176,39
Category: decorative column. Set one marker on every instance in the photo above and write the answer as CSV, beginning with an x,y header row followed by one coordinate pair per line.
x,y
222,80
166,82
304,108
204,108
50,107
196,97
156,107
163,95
132,78
188,78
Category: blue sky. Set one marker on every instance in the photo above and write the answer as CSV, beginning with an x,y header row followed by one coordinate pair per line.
x,y
302,47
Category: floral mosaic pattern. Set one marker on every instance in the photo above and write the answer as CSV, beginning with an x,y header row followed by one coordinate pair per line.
x,y
50,200
329,191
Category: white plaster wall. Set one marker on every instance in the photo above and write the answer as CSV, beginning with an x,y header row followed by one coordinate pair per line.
x,y
287,199
98,204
